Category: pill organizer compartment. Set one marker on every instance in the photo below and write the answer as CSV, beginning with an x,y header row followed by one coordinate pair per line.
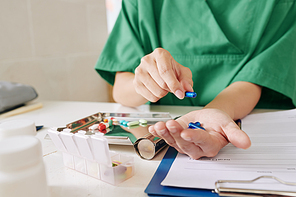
x,y
90,155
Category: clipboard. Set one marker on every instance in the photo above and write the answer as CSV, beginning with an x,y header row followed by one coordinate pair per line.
x,y
155,188
228,191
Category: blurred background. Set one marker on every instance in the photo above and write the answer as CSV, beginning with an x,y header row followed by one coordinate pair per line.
x,y
53,46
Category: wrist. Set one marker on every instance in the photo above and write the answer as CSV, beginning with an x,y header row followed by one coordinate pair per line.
x,y
237,100
224,108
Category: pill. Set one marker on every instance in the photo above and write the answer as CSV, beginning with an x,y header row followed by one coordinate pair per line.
x,y
190,94
115,121
133,123
104,131
106,124
143,121
192,125
115,163
122,121
101,126
110,122
93,127
197,123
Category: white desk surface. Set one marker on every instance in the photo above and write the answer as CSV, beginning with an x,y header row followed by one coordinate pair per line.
x,y
64,182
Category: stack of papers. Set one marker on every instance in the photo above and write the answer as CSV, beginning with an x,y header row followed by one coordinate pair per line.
x,y
272,154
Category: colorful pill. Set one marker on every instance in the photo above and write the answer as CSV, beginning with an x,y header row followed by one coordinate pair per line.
x,y
133,123
123,122
106,124
115,121
110,122
101,126
115,163
190,94
104,131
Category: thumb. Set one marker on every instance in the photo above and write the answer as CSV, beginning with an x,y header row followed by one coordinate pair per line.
x,y
236,136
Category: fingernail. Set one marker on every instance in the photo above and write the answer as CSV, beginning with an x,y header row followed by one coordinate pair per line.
x,y
187,138
179,94
172,129
162,131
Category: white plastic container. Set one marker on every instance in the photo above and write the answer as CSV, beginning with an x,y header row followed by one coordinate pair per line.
x,y
22,171
17,127
91,155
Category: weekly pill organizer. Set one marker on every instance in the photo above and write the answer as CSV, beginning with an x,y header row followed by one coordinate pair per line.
x,y
84,143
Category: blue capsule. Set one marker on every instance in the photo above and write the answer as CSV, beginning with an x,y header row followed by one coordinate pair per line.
x,y
123,123
196,125
190,94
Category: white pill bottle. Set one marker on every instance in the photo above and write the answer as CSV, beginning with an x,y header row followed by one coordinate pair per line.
x,y
22,171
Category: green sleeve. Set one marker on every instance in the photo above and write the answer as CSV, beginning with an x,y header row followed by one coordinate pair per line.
x,y
123,50
273,62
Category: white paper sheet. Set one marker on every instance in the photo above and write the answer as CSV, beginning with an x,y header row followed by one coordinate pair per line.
x,y
273,153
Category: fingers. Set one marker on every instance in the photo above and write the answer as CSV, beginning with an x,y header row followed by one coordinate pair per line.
x,y
187,85
170,132
220,130
159,74
186,79
149,64
177,77
147,87
188,147
160,130
209,142
167,70
236,136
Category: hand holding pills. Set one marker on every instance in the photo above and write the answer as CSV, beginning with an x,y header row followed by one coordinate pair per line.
x,y
214,130
158,74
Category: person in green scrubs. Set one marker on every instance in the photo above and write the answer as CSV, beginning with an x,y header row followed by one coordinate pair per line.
x,y
236,55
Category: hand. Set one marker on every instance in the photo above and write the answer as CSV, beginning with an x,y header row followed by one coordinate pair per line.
x,y
158,74
219,130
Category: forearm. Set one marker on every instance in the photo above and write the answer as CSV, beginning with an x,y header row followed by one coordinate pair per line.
x,y
124,91
237,100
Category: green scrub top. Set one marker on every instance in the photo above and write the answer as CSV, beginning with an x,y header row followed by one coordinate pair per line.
x,y
241,40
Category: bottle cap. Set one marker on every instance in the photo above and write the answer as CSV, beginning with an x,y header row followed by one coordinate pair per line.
x,y
17,127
